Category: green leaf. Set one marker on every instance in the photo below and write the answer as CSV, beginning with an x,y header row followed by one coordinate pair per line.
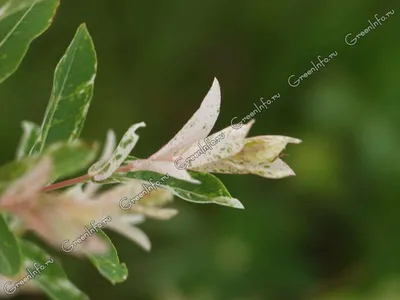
x,y
28,139
21,21
52,280
108,264
9,7
10,253
72,92
211,189
67,159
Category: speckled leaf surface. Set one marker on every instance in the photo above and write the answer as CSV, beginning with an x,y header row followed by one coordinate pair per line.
x,y
105,168
108,264
199,125
72,92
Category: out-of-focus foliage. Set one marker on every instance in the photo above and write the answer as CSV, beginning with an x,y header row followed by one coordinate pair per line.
x,y
329,233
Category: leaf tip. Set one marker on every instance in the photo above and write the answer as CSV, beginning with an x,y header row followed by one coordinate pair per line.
x,y
83,26
235,203
231,202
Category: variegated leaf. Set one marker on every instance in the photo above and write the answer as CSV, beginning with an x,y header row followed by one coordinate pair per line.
x,y
220,145
72,92
259,156
199,125
108,264
102,170
21,21
163,167
275,170
211,189
266,147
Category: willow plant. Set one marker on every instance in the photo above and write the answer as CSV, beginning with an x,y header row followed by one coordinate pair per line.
x,y
38,194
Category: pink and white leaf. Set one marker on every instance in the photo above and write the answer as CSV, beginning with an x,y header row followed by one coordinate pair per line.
x,y
198,127
124,148
133,233
228,142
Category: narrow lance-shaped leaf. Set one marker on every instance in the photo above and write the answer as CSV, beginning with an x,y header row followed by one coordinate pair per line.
x,y
28,139
108,264
53,281
211,189
103,169
72,92
21,21
10,253
198,127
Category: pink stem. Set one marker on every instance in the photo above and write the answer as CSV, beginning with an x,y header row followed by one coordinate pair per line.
x,y
81,179
65,183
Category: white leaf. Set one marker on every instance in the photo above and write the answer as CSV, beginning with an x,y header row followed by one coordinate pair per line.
x,y
227,142
198,127
268,147
125,147
278,169
109,146
132,219
155,212
131,232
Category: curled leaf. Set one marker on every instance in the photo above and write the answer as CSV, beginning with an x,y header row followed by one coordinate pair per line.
x,y
199,125
102,170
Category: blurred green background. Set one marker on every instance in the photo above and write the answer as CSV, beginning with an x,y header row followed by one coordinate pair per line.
x,y
331,232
